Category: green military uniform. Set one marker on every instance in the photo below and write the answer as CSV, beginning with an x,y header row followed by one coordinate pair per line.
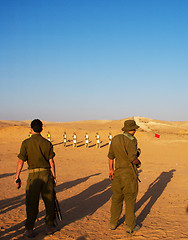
x,y
123,149
37,151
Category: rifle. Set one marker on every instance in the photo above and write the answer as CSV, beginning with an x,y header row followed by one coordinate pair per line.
x,y
137,165
131,164
57,207
133,169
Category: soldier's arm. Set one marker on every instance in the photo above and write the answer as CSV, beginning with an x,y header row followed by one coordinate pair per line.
x,y
111,168
111,158
52,165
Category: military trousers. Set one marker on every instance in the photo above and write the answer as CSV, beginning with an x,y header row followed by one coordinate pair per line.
x,y
39,183
124,189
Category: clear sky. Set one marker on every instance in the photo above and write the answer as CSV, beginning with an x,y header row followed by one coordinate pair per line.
x,y
72,60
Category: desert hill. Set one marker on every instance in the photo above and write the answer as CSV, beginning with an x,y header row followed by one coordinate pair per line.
x,y
146,125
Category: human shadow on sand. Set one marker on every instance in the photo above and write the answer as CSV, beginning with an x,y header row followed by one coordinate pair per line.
x,y
11,203
69,145
104,145
86,202
58,143
4,175
153,192
70,184
81,145
84,144
94,145
74,208
66,145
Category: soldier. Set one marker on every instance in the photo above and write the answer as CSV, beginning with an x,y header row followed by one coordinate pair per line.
x,y
39,154
74,140
97,140
65,138
123,149
86,140
110,138
49,136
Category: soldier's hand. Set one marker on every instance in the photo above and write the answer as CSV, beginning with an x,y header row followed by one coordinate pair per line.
x,y
18,183
111,173
138,164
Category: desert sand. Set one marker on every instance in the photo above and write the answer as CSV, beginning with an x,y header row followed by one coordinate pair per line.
x,y
83,187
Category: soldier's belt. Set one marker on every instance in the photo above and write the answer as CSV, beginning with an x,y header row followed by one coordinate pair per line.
x,y
38,170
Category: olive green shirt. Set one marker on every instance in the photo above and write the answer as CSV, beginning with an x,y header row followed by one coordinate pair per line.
x,y
37,151
123,149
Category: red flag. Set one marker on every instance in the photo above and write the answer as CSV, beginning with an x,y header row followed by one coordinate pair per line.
x,y
157,135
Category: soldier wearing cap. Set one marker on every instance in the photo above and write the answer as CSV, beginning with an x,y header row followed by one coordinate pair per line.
x,y
39,154
123,150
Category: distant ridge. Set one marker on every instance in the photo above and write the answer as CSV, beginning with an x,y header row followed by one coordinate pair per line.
x,y
146,125
9,123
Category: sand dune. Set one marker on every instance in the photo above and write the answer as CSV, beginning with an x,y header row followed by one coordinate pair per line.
x,y
83,187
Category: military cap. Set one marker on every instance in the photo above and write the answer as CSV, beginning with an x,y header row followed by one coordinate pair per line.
x,y
129,125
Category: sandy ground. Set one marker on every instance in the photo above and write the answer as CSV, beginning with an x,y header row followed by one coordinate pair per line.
x,y
83,188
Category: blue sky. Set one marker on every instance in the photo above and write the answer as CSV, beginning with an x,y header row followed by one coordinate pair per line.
x,y
71,60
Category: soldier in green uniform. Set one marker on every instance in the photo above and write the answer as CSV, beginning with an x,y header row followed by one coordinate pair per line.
x,y
39,154
123,149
